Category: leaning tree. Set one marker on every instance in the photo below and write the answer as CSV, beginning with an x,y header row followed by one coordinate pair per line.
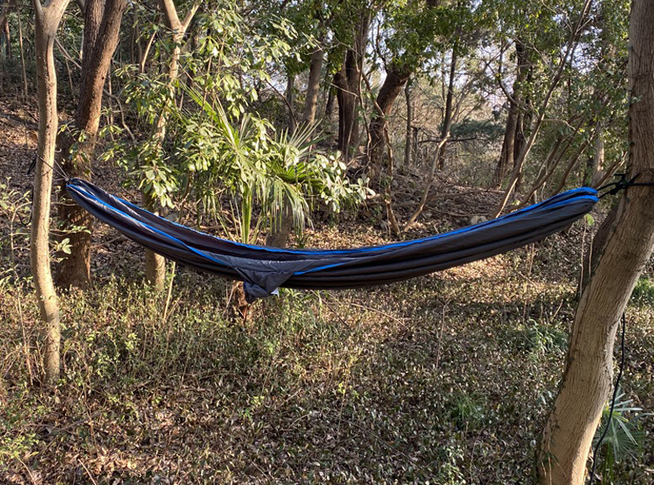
x,y
586,382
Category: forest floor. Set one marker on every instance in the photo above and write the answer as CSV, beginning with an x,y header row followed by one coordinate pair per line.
x,y
443,379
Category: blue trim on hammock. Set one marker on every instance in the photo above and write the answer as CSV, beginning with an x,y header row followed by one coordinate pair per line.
x,y
594,199
591,195
172,238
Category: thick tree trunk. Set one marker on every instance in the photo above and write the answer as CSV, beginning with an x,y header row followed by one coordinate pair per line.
x,y
47,20
313,87
587,379
396,77
101,28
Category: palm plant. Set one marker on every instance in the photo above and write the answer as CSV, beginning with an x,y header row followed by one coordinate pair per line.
x,y
623,437
264,174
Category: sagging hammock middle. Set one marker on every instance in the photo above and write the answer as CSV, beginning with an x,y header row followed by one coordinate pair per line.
x,y
263,269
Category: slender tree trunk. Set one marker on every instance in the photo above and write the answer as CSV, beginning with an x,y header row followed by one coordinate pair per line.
x,y
155,264
524,151
396,77
508,145
346,106
280,234
447,118
22,56
4,38
313,86
449,115
348,87
587,379
329,105
594,169
514,137
552,161
524,118
290,102
47,20
5,32
428,184
408,142
102,20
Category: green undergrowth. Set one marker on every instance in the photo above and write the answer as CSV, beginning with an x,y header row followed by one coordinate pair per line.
x,y
444,380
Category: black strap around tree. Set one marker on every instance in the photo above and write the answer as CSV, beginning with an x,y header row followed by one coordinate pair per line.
x,y
623,183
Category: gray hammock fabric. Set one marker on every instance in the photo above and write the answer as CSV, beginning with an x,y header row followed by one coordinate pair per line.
x,y
264,269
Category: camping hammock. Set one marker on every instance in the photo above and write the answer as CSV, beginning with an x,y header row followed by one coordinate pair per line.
x,y
264,269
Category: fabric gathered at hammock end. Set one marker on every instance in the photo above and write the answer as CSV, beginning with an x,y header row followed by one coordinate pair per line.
x,y
264,269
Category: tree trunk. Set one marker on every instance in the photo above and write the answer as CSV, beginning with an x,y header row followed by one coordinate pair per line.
x,y
447,118
290,101
396,77
155,264
508,145
101,28
346,120
47,20
408,142
280,232
514,136
594,169
5,41
5,32
348,88
587,379
329,105
22,56
313,87
523,150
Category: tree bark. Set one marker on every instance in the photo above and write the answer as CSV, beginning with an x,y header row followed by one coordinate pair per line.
x,y
280,232
102,20
313,87
47,19
155,264
329,105
290,102
508,145
587,379
5,32
596,163
514,136
408,141
348,87
447,118
396,77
